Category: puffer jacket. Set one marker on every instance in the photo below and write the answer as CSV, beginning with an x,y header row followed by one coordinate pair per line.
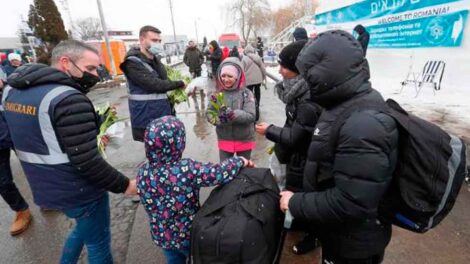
x,y
255,72
168,185
294,137
76,125
345,182
241,100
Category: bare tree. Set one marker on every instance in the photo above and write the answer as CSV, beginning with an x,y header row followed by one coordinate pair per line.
x,y
89,28
251,16
297,9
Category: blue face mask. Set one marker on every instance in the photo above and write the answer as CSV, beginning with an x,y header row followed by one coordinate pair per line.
x,y
156,49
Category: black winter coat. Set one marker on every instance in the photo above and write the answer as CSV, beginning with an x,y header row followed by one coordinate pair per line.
x,y
363,37
193,58
215,57
294,138
345,182
76,125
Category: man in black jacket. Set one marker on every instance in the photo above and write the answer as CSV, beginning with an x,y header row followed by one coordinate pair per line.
x,y
293,139
215,56
345,179
193,58
363,37
55,128
148,82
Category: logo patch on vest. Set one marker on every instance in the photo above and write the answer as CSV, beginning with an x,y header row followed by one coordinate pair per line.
x,y
316,132
21,109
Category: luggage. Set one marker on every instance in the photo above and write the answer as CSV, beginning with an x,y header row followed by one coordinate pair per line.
x,y
430,171
240,222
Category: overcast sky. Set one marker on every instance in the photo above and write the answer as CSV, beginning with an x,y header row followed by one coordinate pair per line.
x,y
132,14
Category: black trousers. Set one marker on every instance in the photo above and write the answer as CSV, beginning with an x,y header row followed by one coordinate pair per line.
x,y
8,190
256,90
195,74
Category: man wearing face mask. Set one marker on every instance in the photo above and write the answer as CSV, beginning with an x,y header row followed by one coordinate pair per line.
x,y
148,81
55,128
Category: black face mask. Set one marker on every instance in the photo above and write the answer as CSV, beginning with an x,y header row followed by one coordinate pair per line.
x,y
87,80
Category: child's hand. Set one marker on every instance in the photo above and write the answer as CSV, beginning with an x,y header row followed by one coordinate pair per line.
x,y
247,163
131,188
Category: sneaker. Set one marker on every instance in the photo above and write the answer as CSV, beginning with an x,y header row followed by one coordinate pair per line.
x,y
21,223
309,243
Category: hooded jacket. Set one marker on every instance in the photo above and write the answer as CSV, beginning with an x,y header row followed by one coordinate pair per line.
x,y
168,185
253,66
76,127
345,183
215,57
363,37
239,133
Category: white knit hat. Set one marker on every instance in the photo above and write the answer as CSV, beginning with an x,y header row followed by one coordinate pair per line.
x,y
14,56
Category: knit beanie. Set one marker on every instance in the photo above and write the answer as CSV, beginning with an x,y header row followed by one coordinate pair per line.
x,y
289,55
300,34
14,56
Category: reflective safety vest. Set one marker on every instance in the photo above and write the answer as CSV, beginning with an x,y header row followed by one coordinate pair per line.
x,y
144,106
54,182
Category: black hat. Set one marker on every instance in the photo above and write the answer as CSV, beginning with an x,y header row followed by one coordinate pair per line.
x,y
300,33
289,55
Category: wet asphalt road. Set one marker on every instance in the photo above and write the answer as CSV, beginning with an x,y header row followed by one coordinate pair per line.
x,y
42,242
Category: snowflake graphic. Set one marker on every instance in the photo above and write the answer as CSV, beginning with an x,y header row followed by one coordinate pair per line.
x,y
436,31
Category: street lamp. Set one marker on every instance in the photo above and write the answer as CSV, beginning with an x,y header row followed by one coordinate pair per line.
x,y
106,37
174,31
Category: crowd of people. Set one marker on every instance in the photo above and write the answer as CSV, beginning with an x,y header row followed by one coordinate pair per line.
x,y
330,197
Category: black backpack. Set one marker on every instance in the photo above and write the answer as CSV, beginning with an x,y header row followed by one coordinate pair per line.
x,y
240,222
430,170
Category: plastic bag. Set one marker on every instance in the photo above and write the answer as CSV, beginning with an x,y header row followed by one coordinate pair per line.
x,y
201,83
278,170
116,130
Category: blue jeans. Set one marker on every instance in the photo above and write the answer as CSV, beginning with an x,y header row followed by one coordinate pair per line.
x,y
92,230
8,190
175,256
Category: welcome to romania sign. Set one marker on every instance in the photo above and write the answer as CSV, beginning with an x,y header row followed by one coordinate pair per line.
x,y
402,23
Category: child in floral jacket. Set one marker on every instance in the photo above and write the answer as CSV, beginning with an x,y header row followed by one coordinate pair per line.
x,y
168,185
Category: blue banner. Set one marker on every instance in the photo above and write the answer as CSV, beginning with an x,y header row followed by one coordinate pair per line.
x,y
435,31
374,9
